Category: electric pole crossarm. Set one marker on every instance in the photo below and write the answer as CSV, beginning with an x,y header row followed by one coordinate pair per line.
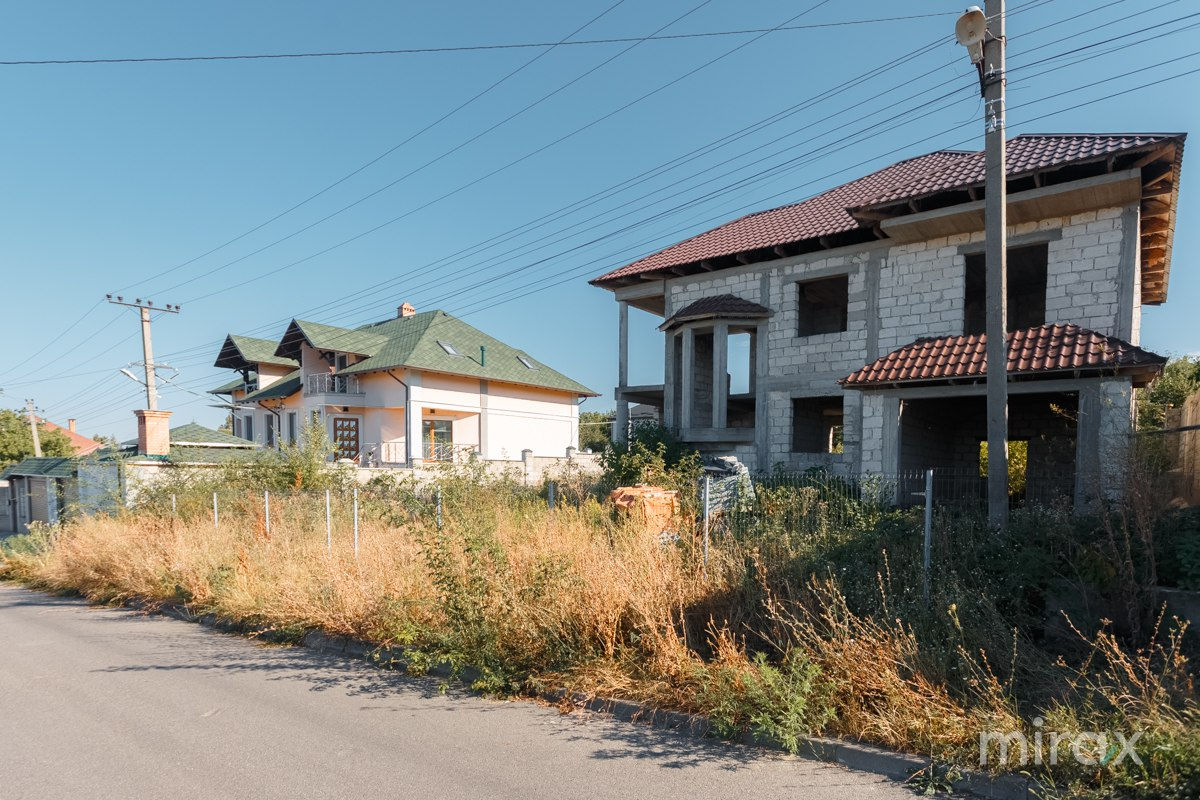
x,y
144,308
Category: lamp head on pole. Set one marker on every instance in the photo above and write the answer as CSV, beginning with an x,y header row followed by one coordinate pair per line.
x,y
970,31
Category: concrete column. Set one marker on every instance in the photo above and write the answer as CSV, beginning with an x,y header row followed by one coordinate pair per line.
x,y
891,435
621,427
1087,448
669,382
1128,317
762,422
688,379
720,378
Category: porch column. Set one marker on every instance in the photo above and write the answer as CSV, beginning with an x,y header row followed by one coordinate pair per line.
x,y
720,377
762,428
688,379
669,379
621,426
412,421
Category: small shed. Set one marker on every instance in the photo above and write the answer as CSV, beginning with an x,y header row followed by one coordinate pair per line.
x,y
38,491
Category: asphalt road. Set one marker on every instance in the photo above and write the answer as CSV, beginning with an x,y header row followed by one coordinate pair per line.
x,y
109,703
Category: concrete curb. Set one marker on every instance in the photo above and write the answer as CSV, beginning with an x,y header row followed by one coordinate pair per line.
x,y
852,755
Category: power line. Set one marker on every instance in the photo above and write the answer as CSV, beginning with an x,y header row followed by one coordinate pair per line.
x,y
495,84
469,48
435,159
524,290
926,48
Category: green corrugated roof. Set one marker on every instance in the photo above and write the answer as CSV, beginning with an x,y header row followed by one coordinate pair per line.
x,y
47,467
286,386
415,343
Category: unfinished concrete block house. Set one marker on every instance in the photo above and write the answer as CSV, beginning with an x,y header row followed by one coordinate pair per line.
x,y
420,387
864,310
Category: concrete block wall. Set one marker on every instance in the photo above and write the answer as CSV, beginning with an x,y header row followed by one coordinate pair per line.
x,y
900,293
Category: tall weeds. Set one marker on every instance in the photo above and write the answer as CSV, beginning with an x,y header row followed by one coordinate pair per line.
x,y
778,635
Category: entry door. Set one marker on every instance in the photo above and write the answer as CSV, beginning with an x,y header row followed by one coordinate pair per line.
x,y
345,437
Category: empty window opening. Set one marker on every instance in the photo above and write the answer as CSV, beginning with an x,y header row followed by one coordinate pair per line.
x,y
821,305
738,362
817,424
270,430
291,427
249,427
1026,289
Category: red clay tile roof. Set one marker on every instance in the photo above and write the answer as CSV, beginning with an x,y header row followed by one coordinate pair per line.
x,y
1024,155
828,213
822,215
82,444
1046,348
721,305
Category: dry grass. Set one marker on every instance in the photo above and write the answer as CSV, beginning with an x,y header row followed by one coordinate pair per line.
x,y
577,599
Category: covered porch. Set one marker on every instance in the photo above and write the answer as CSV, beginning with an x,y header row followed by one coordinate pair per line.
x,y
1069,413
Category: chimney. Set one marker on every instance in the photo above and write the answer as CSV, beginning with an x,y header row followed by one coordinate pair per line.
x,y
154,432
405,310
71,425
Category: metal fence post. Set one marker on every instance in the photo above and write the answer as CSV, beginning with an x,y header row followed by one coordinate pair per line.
x,y
216,519
706,515
267,511
928,532
550,495
355,523
328,526
437,502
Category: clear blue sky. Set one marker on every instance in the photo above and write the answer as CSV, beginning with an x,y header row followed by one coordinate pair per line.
x,y
114,173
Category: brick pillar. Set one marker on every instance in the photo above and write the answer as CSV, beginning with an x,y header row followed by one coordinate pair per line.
x,y
154,432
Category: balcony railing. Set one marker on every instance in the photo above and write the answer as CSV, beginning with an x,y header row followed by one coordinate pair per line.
x,y
326,383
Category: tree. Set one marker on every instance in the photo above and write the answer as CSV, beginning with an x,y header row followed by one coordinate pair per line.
x,y
16,440
595,430
1180,377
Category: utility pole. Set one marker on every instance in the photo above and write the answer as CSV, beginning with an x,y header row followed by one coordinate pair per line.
x,y
983,36
144,307
996,258
37,441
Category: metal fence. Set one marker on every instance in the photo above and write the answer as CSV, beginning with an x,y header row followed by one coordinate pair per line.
x,y
823,502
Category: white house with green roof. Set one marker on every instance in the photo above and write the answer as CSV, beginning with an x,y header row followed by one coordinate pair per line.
x,y
417,388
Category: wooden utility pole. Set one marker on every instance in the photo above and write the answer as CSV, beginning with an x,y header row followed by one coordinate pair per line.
x,y
33,429
144,307
996,256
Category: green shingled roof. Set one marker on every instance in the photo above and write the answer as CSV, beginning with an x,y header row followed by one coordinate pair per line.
x,y
241,352
358,341
194,435
46,467
431,340
229,388
286,386
416,342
